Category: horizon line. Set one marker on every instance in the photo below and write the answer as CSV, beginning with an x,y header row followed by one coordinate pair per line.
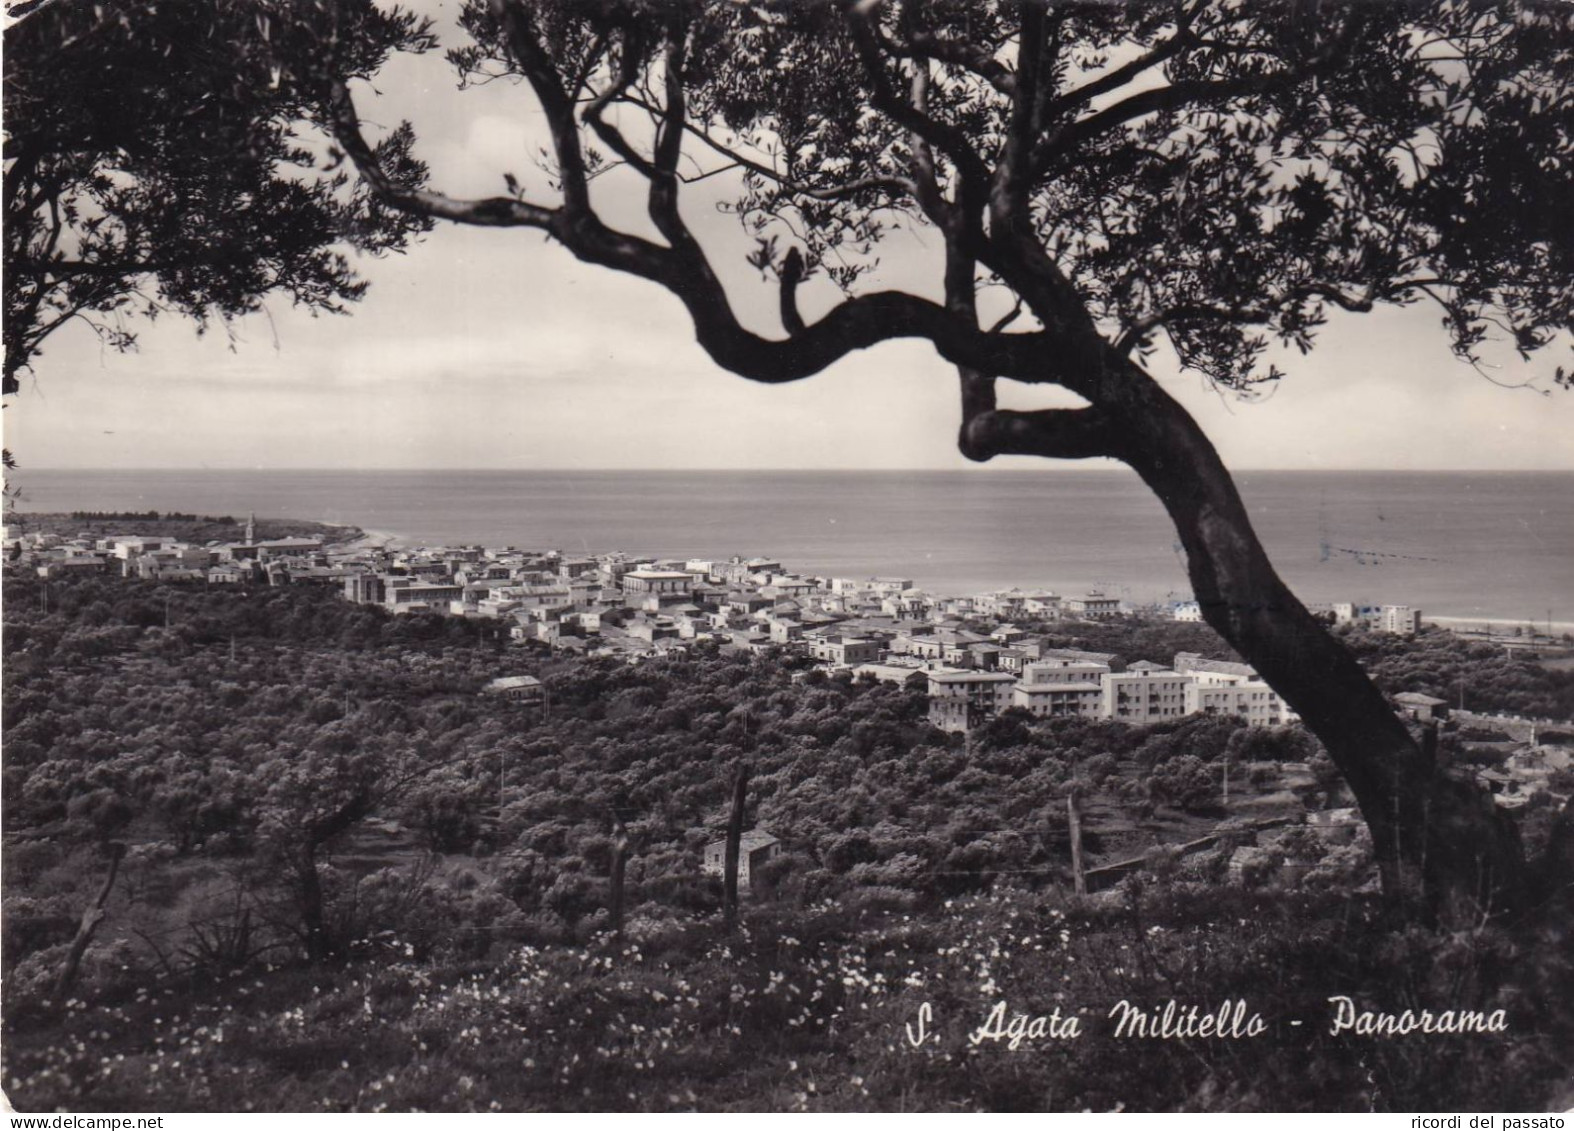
x,y
1103,467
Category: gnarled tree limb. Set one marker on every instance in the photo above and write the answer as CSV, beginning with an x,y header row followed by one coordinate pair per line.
x,y
1062,433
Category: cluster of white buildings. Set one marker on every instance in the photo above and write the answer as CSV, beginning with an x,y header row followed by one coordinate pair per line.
x,y
1396,620
619,604
1068,683
274,561
625,604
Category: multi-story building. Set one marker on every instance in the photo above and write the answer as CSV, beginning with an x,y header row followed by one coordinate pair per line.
x,y
1397,620
1222,687
1251,700
1144,693
658,581
1400,620
1054,689
959,701
1093,606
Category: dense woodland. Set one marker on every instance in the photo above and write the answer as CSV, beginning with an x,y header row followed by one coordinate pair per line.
x,y
306,784
198,529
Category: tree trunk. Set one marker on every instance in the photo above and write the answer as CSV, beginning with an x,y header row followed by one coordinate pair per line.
x,y
91,918
319,944
1441,846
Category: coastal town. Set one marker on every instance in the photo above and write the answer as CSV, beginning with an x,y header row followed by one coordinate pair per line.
x,y
467,749
975,656
634,606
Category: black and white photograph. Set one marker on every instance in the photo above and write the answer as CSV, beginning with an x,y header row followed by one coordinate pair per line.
x,y
933,556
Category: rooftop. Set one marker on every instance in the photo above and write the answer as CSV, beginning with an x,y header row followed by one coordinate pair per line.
x,y
511,682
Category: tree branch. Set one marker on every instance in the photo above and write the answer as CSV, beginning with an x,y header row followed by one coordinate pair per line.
x,y
628,68
1013,177
556,103
1120,76
1133,335
924,45
854,324
1171,97
492,212
831,192
792,275
1062,433
948,139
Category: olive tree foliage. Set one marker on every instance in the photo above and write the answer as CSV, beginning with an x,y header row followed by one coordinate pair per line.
x,y
156,162
1190,178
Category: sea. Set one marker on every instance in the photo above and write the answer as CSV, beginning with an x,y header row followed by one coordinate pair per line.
x,y
1461,546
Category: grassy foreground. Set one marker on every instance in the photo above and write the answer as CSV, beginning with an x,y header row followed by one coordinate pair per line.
x,y
814,1009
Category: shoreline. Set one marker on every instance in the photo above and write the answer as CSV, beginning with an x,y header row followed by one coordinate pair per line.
x,y
1492,624
371,540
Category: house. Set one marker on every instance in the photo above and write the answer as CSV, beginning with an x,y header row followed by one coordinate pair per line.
x,y
984,657
1076,656
845,650
63,567
785,631
405,598
523,689
1014,659
125,548
233,573
896,673
571,568
1194,663
288,547
652,629
746,603
1042,604
1187,612
1421,708
755,847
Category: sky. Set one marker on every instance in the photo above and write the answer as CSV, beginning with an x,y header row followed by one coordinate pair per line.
x,y
495,349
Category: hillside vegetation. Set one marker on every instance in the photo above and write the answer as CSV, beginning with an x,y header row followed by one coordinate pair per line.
x,y
353,881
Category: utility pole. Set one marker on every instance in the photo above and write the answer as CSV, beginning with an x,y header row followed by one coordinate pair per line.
x,y
740,787
1079,879
620,843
